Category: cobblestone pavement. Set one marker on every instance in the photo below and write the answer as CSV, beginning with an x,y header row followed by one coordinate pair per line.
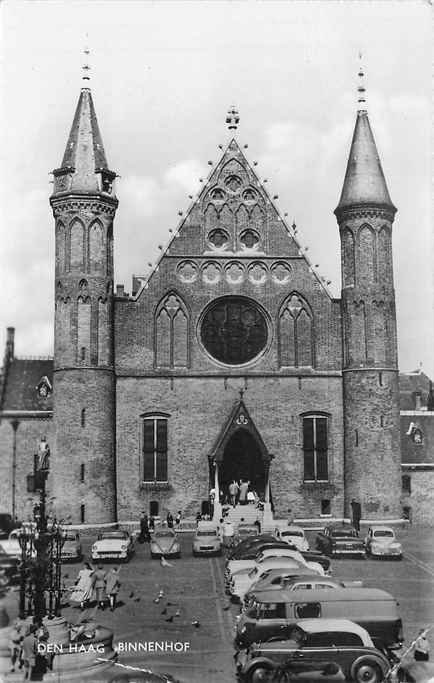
x,y
193,590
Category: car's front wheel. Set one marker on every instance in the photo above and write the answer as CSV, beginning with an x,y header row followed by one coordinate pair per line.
x,y
367,671
261,673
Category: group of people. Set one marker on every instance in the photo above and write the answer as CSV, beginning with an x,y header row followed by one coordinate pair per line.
x,y
147,524
238,492
96,585
24,638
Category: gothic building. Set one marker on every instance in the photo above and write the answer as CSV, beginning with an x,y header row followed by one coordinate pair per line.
x,y
230,359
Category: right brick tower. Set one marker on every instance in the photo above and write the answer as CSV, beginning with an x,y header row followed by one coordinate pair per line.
x,y
365,213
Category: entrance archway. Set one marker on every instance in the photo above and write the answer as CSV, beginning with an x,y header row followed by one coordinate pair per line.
x,y
242,459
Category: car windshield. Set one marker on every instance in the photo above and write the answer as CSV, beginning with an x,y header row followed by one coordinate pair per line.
x,y
343,533
383,533
293,533
211,532
164,533
113,534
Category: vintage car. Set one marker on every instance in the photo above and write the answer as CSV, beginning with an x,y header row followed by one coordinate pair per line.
x,y
242,580
381,542
164,541
270,613
246,531
113,545
285,580
7,524
71,549
310,645
291,534
340,540
9,566
206,540
11,545
266,553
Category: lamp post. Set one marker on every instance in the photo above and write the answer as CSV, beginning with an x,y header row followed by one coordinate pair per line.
x,y
41,549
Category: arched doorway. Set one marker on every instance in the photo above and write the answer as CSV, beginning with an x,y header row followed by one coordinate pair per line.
x,y
242,459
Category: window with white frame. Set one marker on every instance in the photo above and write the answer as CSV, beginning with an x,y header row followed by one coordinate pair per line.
x,y
154,448
315,448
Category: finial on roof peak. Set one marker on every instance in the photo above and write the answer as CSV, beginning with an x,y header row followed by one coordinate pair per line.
x,y
86,68
232,119
361,89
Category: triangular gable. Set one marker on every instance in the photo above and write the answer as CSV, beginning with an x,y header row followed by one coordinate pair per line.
x,y
239,418
232,164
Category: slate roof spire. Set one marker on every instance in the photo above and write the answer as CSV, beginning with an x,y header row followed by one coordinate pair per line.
x,y
84,168
364,182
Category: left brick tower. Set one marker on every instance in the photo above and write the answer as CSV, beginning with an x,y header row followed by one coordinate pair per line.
x,y
84,205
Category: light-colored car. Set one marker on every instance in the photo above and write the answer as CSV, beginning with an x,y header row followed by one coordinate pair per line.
x,y
113,545
381,541
291,534
71,549
164,541
207,540
242,580
11,545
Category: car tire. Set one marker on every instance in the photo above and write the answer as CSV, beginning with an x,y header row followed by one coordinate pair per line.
x,y
260,673
367,671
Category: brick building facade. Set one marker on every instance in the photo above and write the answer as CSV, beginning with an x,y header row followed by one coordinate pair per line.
x,y
231,356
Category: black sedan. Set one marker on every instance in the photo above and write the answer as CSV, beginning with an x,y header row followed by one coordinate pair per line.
x,y
340,540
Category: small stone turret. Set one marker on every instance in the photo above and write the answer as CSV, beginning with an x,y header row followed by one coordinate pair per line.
x,y
365,214
84,206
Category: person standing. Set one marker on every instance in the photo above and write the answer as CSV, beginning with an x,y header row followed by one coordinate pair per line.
x,y
244,487
29,652
290,517
233,492
112,586
144,529
356,514
99,586
83,588
169,520
250,497
178,518
15,641
421,647
228,533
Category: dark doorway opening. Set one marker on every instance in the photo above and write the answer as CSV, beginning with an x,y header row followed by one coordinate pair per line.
x,y
242,460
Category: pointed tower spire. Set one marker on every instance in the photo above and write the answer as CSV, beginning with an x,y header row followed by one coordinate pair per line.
x,y
84,166
364,182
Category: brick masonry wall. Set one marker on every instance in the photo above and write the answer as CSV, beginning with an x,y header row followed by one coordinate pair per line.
x,y
421,499
28,435
198,409
91,444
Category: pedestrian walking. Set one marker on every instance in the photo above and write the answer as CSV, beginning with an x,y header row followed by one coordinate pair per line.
x,y
15,640
356,514
82,590
152,524
144,536
112,586
29,652
169,520
421,647
99,586
250,497
178,518
233,492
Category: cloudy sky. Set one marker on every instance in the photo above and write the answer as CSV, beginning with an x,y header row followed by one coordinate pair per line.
x,y
163,77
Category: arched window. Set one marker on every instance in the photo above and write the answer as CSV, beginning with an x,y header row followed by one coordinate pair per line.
x,y
315,447
83,329
380,332
96,247
60,247
77,245
83,417
384,256
406,483
366,272
295,333
171,333
348,258
154,448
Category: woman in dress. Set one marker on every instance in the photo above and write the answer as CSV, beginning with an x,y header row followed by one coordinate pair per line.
x,y
83,588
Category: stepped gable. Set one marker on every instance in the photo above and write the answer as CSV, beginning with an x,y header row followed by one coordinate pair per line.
x,y
23,379
233,216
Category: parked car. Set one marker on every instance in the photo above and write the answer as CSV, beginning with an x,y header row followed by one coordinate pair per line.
x,y
242,581
312,644
71,549
381,542
7,524
9,564
113,545
246,531
284,580
206,540
11,545
291,534
271,612
164,541
243,546
267,553
340,540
